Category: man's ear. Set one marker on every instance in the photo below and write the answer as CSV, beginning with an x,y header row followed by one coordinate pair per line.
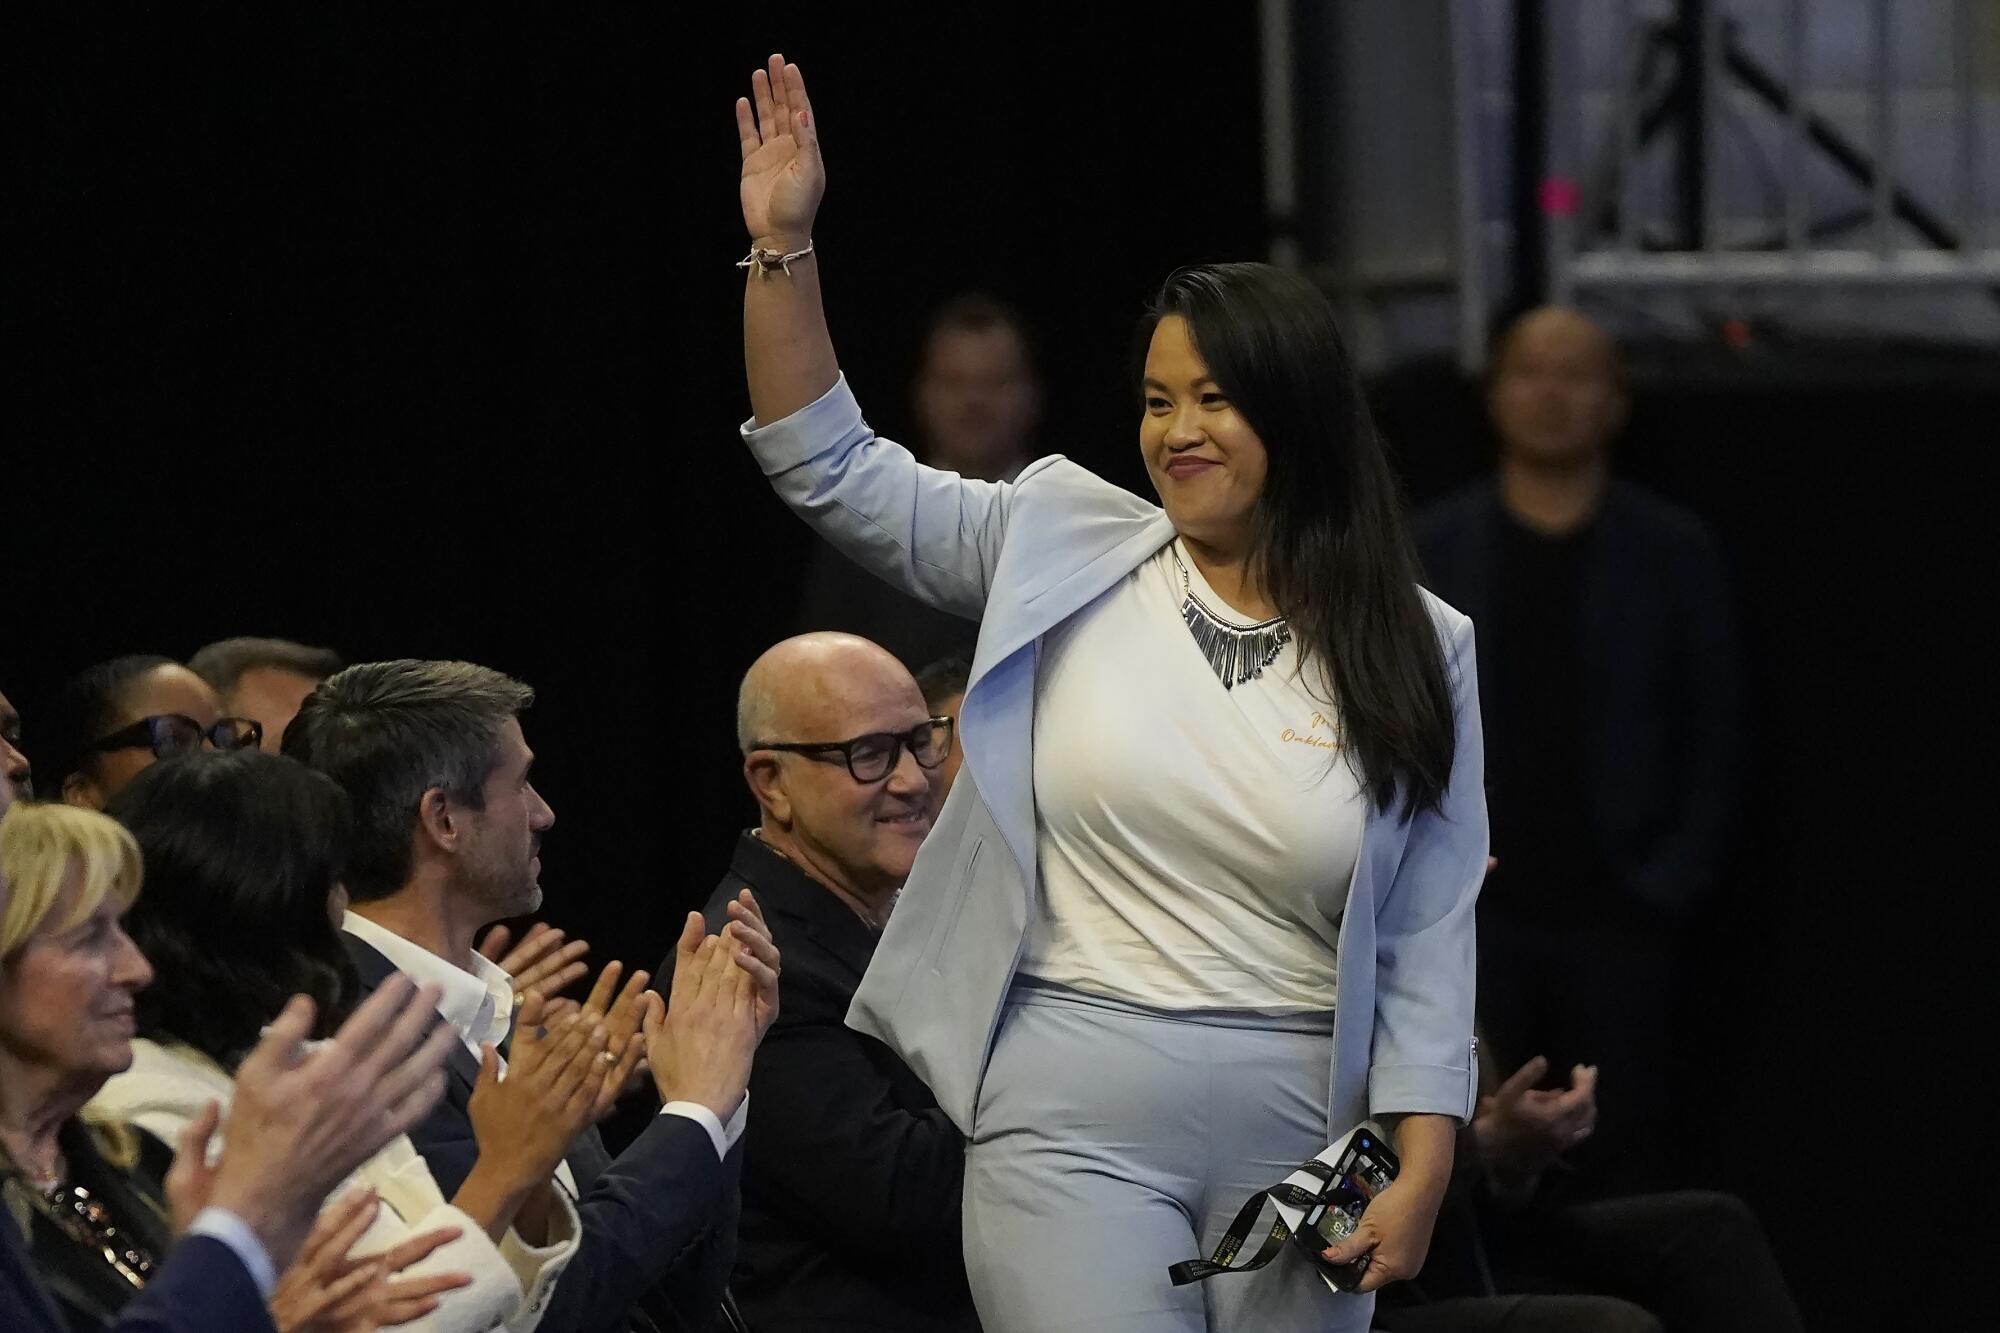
x,y
766,778
438,821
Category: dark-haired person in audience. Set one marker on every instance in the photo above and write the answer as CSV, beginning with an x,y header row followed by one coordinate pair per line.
x,y
264,680
977,402
115,719
243,856
943,683
849,1161
84,1231
16,777
1612,703
447,834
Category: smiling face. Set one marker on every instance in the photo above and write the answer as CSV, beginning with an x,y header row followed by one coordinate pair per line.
x,y
862,835
66,995
1205,461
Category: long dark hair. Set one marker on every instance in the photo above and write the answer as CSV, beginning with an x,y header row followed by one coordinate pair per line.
x,y
1329,542
243,850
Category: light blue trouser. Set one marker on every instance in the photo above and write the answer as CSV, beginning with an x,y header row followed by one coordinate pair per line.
x,y
1111,1141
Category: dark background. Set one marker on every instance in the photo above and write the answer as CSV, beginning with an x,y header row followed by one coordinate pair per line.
x,y
416,333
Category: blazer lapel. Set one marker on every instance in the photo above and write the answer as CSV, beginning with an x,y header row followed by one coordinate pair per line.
x,y
996,720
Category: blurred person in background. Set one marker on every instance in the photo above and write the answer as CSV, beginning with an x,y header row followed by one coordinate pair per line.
x,y
1611,694
113,720
848,1158
977,402
264,680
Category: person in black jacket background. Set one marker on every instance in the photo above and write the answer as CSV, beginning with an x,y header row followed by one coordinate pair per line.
x,y
1611,695
851,1173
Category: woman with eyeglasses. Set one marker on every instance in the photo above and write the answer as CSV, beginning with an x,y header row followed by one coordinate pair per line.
x,y
116,719
1201,898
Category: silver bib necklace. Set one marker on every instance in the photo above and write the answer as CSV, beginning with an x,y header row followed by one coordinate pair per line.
x,y
1236,652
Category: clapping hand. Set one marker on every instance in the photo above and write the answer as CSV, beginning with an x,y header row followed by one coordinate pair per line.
x,y
622,1019
700,1050
1522,1129
302,1120
542,963
330,1289
757,955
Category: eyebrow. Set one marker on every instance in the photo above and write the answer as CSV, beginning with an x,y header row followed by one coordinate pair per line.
x,y
1151,383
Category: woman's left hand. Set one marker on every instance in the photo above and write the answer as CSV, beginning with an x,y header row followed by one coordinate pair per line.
x,y
1393,1235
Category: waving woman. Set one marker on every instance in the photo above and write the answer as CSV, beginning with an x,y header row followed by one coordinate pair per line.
x,y
1201,898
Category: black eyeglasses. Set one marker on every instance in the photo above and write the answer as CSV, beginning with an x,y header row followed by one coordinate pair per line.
x,y
873,757
176,733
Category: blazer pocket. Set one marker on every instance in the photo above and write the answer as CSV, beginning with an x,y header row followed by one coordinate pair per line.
x,y
961,882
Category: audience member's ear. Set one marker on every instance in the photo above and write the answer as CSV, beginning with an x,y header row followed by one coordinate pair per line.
x,y
436,819
766,777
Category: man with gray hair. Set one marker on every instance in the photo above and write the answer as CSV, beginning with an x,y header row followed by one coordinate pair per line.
x,y
265,679
850,1157
447,836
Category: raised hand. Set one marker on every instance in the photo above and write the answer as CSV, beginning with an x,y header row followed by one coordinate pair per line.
x,y
783,176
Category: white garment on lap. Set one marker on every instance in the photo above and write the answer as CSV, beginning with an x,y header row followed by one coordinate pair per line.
x,y
1195,843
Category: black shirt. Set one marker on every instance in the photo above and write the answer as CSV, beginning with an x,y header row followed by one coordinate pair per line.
x,y
1533,658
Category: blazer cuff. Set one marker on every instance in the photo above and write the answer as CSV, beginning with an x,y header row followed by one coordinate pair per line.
x,y
780,446
1422,1090
536,1267
222,1225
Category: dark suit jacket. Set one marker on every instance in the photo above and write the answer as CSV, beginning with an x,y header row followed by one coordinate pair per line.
x,y
659,1220
1661,726
201,1288
851,1173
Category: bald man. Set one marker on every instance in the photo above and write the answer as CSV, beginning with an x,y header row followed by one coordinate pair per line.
x,y
1609,688
851,1172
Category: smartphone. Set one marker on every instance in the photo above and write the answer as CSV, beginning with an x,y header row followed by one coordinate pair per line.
x,y
1364,1170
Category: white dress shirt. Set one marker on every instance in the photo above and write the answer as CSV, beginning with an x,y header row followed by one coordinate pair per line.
x,y
478,1003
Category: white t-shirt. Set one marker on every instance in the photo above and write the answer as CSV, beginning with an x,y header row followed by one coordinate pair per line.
x,y
1195,843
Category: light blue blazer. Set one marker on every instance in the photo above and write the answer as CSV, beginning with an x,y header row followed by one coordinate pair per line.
x,y
1020,558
